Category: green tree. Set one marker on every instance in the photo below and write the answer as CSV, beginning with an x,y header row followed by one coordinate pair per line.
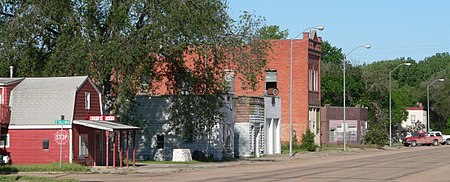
x,y
131,46
331,74
273,32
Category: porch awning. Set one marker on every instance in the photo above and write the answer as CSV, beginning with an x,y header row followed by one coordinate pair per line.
x,y
104,125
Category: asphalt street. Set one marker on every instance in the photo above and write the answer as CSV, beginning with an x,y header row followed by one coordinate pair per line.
x,y
424,163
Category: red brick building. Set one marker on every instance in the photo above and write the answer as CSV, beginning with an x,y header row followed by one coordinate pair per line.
x,y
306,55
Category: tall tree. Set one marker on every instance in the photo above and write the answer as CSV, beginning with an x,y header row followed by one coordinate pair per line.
x,y
131,46
273,32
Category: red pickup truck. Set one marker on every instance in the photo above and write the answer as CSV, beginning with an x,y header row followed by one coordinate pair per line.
x,y
422,139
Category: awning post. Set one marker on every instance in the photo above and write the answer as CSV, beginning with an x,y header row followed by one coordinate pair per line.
x,y
128,135
114,149
134,148
119,141
107,148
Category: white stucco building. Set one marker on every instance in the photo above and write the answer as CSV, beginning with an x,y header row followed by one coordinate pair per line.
x,y
415,115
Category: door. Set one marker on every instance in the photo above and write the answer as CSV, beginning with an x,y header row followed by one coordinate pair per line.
x,y
99,158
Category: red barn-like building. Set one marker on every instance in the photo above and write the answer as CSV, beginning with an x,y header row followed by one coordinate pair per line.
x,y
31,133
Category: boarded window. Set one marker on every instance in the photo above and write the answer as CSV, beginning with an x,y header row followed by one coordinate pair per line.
x,y
84,145
160,141
45,144
87,100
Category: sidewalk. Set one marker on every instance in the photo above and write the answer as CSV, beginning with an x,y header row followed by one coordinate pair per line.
x,y
161,169
148,170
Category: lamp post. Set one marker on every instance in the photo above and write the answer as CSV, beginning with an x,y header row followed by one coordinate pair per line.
x,y
428,102
290,86
367,46
390,100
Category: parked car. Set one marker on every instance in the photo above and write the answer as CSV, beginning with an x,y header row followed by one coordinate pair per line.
x,y
422,139
446,138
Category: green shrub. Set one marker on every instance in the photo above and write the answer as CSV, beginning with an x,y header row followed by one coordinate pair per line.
x,y
308,141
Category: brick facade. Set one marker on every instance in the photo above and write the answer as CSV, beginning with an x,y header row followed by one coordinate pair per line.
x,y
331,124
305,58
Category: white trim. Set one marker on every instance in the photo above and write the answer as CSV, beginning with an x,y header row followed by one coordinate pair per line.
x,y
93,85
101,103
7,141
94,126
24,127
2,96
70,146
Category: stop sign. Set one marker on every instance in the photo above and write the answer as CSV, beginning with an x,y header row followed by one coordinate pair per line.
x,y
61,137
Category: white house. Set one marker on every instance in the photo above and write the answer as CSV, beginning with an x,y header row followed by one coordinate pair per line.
x,y
415,115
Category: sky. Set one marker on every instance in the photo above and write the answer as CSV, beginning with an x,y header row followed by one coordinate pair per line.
x,y
394,28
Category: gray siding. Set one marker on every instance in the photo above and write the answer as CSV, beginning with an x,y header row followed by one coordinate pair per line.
x,y
272,107
154,113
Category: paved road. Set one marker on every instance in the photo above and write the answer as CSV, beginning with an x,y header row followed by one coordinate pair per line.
x,y
406,164
411,164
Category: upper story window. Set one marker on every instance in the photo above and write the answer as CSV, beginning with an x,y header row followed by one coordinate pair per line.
x,y
87,100
316,80
2,95
310,79
271,82
228,76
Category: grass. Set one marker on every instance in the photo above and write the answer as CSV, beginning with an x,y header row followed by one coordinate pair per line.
x,y
33,178
53,167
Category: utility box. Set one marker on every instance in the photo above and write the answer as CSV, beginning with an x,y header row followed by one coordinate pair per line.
x,y
181,155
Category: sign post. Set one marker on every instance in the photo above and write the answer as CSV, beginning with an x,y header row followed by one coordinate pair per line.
x,y
61,136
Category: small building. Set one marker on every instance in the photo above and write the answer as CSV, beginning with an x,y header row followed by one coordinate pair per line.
x,y
158,141
332,131
49,119
257,130
416,116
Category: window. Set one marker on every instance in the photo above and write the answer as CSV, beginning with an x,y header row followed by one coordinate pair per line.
x,y
413,120
83,139
160,141
45,144
271,82
316,79
310,79
2,97
4,141
229,80
87,100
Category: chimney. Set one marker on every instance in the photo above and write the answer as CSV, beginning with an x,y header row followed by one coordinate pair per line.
x,y
11,71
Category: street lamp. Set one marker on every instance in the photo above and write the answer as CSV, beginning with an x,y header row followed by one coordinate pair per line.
x,y
367,46
390,100
290,86
428,102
